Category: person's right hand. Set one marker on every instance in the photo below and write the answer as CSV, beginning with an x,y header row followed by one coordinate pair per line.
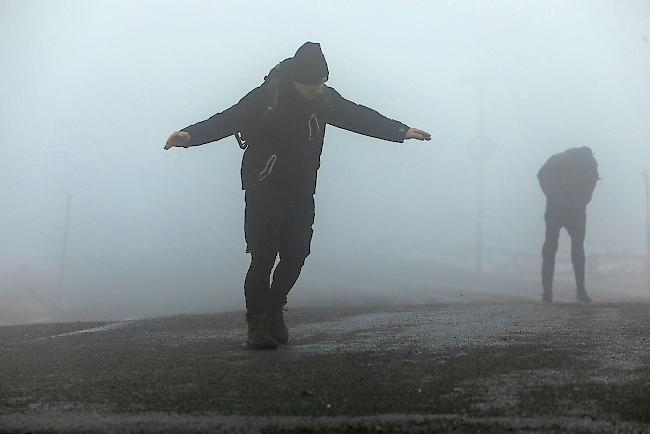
x,y
179,139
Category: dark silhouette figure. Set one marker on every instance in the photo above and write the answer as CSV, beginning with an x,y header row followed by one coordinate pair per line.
x,y
568,180
281,125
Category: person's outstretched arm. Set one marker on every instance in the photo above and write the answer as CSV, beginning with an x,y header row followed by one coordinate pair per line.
x,y
360,119
217,127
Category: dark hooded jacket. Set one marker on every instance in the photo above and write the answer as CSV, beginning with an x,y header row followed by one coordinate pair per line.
x,y
285,131
568,180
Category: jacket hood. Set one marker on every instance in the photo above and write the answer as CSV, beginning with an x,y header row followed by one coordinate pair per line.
x,y
307,66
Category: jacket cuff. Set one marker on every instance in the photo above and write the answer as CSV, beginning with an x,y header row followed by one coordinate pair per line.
x,y
401,132
184,130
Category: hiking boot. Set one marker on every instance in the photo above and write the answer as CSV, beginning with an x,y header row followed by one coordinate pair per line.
x,y
258,336
276,326
547,297
583,297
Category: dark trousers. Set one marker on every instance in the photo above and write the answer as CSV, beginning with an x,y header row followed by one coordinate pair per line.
x,y
275,223
575,224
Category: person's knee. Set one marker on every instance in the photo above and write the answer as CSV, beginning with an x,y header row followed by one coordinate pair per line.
x,y
577,251
294,256
549,248
295,262
263,260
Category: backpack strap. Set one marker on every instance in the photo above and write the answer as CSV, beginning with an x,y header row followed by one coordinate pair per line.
x,y
240,141
272,93
272,87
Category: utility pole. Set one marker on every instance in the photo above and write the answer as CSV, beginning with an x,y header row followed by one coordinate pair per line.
x,y
646,176
481,150
64,248
480,192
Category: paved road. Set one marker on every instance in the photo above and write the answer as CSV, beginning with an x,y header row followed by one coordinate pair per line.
x,y
522,367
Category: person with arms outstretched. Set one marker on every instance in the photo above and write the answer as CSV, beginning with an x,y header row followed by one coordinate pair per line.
x,y
281,125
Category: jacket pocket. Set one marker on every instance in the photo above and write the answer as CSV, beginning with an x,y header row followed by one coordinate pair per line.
x,y
257,165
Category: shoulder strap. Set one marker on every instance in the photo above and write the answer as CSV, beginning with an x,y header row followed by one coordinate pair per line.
x,y
271,94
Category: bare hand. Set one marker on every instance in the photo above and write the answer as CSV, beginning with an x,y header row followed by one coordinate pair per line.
x,y
179,139
414,133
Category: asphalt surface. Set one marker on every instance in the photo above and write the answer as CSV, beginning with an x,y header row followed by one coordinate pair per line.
x,y
516,367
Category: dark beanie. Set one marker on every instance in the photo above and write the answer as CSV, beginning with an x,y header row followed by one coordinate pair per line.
x,y
309,65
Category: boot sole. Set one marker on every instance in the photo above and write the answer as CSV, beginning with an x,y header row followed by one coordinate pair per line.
x,y
261,346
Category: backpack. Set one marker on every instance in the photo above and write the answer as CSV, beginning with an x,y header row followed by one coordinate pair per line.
x,y
272,85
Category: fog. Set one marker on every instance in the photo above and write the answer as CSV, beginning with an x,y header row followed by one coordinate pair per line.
x,y
91,90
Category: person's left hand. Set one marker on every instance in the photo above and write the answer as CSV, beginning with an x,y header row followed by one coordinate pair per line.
x,y
179,139
415,133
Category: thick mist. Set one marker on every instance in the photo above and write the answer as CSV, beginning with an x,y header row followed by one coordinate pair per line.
x,y
91,90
